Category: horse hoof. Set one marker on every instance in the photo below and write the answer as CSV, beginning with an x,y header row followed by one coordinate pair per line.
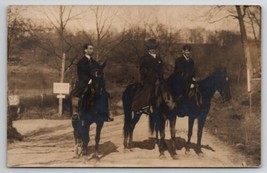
x,y
76,156
175,157
187,152
97,158
127,150
162,156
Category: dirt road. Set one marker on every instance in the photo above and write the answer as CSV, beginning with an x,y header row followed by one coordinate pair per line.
x,y
49,143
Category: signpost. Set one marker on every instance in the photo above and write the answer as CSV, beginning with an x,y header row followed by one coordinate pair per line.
x,y
62,89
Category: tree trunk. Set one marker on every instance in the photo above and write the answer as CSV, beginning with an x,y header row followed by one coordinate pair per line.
x,y
245,45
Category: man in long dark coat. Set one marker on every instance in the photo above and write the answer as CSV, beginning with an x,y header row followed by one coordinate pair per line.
x,y
84,70
186,73
151,71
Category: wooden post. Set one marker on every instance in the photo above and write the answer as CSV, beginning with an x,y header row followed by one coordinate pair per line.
x,y
60,97
249,80
61,81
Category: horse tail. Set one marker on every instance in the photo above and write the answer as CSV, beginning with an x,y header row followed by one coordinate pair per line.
x,y
126,102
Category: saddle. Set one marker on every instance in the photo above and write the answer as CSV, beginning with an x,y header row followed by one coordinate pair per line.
x,y
142,97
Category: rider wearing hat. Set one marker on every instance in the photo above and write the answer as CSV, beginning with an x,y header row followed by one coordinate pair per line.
x,y
151,72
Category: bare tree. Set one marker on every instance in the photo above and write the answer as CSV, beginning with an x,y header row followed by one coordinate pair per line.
x,y
254,15
19,28
241,13
104,17
59,17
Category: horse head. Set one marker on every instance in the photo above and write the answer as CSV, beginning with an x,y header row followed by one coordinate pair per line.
x,y
96,83
222,83
165,96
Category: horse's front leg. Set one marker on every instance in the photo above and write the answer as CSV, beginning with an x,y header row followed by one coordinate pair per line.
x,y
125,140
99,126
77,146
191,120
76,124
85,137
172,131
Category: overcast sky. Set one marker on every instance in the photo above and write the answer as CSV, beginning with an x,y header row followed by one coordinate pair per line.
x,y
124,16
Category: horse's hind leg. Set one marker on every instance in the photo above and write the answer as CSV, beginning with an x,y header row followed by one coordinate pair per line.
x,y
97,138
127,128
162,142
135,120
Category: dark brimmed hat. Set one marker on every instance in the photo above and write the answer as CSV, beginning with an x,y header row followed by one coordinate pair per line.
x,y
152,44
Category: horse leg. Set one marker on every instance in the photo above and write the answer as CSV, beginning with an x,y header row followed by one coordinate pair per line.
x,y
127,127
162,142
157,137
191,120
97,138
172,131
76,154
125,143
85,137
135,120
201,122
76,124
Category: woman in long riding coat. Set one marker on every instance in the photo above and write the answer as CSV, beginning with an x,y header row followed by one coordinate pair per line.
x,y
151,73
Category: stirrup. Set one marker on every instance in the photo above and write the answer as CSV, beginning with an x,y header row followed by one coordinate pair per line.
x,y
75,116
146,110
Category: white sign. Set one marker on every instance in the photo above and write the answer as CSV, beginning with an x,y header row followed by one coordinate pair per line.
x,y
13,100
61,88
61,96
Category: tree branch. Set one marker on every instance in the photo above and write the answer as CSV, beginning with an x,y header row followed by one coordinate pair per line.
x,y
217,20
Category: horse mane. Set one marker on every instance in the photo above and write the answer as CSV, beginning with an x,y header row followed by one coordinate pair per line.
x,y
206,81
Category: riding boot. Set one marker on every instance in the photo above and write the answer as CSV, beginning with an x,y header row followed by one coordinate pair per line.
x,y
75,108
195,95
198,98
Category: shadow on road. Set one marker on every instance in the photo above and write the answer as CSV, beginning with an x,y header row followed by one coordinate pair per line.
x,y
181,143
150,144
104,149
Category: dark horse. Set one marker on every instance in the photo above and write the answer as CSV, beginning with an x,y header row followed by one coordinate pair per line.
x,y
93,108
218,81
131,118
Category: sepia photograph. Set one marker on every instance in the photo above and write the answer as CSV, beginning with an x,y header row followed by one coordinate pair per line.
x,y
134,86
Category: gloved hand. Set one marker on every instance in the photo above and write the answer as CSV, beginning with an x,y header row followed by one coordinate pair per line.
x,y
90,81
